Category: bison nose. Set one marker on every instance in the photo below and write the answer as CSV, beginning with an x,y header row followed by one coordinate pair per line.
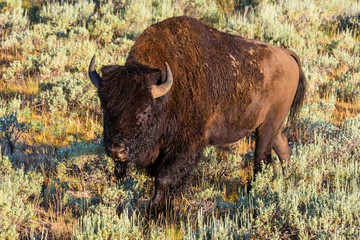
x,y
120,153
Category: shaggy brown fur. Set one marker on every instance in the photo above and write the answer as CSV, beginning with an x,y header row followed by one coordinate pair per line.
x,y
224,87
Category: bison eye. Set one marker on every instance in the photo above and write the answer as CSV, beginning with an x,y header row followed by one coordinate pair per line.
x,y
143,116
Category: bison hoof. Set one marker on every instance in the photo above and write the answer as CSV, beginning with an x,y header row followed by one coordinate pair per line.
x,y
155,211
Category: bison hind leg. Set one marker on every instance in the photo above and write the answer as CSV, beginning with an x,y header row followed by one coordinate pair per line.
x,y
263,144
266,140
281,147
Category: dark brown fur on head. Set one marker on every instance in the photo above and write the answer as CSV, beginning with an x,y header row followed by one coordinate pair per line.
x,y
132,118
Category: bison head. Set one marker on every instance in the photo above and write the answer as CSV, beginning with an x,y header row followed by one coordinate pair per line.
x,y
133,98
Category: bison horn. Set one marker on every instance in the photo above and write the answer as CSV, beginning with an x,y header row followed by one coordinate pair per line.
x,y
94,76
165,86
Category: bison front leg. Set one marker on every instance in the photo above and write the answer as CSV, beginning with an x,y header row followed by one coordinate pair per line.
x,y
174,174
161,186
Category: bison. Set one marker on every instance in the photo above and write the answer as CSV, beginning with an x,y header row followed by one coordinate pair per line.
x,y
186,85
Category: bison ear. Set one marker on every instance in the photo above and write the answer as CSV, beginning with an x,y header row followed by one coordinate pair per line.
x,y
94,76
159,90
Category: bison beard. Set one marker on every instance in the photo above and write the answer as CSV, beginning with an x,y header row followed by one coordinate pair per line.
x,y
186,85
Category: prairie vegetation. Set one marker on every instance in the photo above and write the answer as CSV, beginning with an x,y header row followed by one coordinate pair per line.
x,y
56,181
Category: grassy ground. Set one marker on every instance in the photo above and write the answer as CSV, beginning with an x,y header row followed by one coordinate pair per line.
x,y
58,182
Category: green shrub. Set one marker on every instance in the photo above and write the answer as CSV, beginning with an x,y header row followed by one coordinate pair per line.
x,y
11,129
207,10
69,92
244,5
9,5
349,89
19,197
64,17
319,111
102,222
223,166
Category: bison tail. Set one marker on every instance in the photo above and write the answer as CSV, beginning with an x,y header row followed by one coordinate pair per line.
x,y
299,95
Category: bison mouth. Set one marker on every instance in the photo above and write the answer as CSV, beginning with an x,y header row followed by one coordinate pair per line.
x,y
118,153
